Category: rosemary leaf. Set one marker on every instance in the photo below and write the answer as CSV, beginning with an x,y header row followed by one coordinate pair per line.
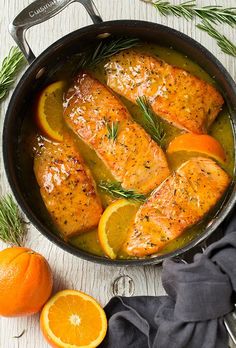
x,y
105,49
225,44
210,13
112,130
10,67
189,10
116,190
21,334
151,123
12,226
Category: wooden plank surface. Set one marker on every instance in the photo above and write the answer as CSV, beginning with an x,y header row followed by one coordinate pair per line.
x,y
69,271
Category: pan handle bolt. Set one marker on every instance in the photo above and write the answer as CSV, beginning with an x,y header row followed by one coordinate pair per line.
x,y
123,286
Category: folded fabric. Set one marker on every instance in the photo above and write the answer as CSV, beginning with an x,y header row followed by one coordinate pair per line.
x,y
191,316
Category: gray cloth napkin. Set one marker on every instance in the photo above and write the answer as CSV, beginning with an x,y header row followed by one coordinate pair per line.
x,y
191,316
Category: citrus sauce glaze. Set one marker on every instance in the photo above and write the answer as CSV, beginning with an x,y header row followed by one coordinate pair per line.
x,y
30,141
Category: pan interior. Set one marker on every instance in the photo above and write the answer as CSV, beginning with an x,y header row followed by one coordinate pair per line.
x,y
59,64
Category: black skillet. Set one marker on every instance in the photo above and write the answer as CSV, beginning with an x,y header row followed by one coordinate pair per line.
x,y
35,76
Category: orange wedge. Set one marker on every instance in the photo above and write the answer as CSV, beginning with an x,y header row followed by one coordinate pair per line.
x,y
203,143
114,224
72,319
49,113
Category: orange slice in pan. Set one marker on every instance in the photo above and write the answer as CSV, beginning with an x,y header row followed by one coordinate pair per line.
x,y
114,224
203,143
49,113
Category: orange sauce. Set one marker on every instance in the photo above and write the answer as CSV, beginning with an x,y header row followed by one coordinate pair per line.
x,y
221,130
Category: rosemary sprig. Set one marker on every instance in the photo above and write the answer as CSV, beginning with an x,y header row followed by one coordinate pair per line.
x,y
151,123
113,130
10,67
210,13
105,49
12,226
189,10
225,44
20,335
116,190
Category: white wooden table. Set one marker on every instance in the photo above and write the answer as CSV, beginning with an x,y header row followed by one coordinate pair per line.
x,y
69,271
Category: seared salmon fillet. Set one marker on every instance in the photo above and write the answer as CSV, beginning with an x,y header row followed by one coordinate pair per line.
x,y
67,188
182,200
175,95
133,158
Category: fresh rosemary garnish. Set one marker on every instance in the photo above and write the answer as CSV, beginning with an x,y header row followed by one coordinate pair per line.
x,y
225,44
116,190
151,124
210,13
12,226
189,10
10,67
113,130
105,49
21,334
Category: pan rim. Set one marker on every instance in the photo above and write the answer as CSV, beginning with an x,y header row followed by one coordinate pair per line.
x,y
223,213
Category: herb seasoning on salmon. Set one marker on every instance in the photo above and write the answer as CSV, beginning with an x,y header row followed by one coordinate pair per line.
x,y
67,188
133,158
182,200
180,98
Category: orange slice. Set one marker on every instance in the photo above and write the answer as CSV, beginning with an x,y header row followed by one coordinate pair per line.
x,y
49,112
114,224
202,143
72,319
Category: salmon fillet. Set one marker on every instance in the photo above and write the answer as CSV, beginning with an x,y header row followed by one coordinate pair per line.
x,y
67,188
175,95
133,158
182,200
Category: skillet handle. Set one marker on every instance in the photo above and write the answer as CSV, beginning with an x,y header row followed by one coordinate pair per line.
x,y
39,11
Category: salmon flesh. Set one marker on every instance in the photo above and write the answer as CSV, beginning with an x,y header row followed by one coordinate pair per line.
x,y
133,158
181,201
67,188
175,95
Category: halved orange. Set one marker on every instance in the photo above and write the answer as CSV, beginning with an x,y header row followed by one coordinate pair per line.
x,y
73,319
49,112
114,224
202,143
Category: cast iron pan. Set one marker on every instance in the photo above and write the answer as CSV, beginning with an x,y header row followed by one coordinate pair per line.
x,y
41,67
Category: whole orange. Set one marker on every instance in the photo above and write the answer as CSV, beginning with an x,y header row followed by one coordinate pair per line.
x,y
25,282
